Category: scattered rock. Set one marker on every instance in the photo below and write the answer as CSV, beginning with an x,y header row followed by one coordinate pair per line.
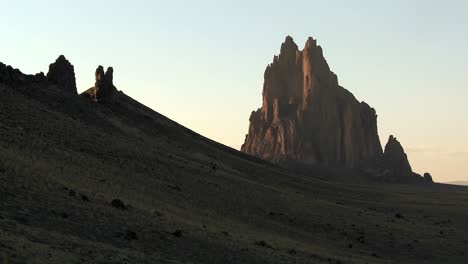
x,y
21,219
175,188
292,252
263,244
71,193
214,167
117,203
130,235
177,233
400,216
361,239
157,213
84,198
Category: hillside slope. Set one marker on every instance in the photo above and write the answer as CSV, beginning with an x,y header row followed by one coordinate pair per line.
x,y
116,182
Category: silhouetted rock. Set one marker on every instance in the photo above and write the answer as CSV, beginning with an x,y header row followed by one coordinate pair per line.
x,y
307,116
84,198
104,86
62,73
117,203
428,177
400,216
177,233
263,244
14,77
395,160
130,235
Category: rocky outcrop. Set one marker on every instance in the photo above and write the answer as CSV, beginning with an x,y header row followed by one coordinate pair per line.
x,y
395,160
307,116
428,177
104,85
14,77
62,73
395,167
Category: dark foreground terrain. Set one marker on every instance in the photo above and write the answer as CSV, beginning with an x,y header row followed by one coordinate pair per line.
x,y
115,182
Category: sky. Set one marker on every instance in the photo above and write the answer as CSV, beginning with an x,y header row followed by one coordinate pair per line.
x,y
201,63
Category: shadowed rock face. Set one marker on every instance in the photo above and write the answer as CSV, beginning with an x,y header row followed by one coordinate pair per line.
x,y
14,77
395,159
307,116
62,73
104,86
104,82
428,177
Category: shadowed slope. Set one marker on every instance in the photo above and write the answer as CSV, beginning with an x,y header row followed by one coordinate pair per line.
x,y
115,182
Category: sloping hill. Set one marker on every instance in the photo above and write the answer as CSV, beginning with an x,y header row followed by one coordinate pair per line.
x,y
116,182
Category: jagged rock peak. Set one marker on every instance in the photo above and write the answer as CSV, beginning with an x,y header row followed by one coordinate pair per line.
x,y
307,117
393,147
62,73
396,160
103,87
102,76
109,75
288,46
311,42
99,73
428,177
15,78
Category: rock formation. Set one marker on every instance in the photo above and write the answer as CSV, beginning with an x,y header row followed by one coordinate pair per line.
x,y
395,160
14,77
62,73
307,116
104,86
428,178
395,167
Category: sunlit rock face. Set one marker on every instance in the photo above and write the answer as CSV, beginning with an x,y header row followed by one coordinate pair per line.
x,y
307,116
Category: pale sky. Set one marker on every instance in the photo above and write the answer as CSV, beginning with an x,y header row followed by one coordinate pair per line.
x,y
201,63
